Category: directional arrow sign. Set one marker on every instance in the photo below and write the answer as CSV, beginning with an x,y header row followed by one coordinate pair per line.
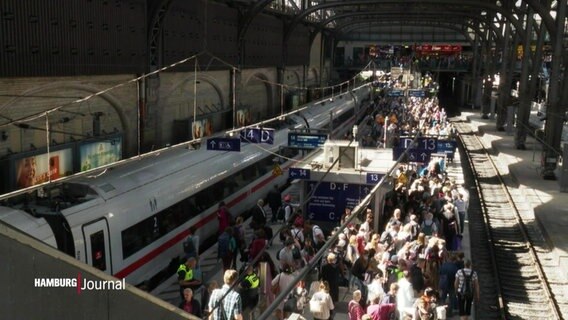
x,y
414,155
257,135
447,146
224,144
419,156
297,173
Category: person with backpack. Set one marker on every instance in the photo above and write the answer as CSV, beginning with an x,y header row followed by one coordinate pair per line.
x,y
429,226
467,289
425,306
227,248
286,212
189,245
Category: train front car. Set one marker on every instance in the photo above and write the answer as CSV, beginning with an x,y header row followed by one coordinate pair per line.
x,y
29,224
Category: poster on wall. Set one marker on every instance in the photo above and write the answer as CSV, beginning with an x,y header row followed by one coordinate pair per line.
x,y
243,117
99,153
207,127
197,129
43,167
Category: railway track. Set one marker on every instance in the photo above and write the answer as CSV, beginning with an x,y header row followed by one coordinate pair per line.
x,y
509,255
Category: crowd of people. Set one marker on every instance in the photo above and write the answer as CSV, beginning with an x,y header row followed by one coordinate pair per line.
x,y
411,267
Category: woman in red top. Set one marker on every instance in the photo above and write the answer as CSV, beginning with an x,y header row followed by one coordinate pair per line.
x,y
355,310
258,244
224,217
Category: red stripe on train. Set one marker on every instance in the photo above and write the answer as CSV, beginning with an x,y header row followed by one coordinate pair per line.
x,y
156,252
182,235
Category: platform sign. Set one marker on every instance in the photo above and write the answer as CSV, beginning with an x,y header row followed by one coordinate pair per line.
x,y
224,144
446,146
373,177
416,93
330,199
299,173
395,93
306,140
414,155
428,144
257,135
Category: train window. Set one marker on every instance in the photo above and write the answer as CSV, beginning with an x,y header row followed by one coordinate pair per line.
x,y
341,119
140,235
98,252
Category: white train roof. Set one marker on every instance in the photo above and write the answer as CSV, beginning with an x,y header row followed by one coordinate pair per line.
x,y
28,224
178,170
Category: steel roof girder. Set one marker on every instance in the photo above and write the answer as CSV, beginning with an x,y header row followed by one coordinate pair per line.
x,y
459,28
435,16
475,4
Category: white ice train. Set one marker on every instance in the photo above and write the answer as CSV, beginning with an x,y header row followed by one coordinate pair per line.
x,y
130,220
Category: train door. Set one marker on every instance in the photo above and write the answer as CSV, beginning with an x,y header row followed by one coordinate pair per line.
x,y
97,245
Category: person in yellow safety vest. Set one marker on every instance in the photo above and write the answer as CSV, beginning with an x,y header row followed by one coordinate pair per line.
x,y
249,288
188,276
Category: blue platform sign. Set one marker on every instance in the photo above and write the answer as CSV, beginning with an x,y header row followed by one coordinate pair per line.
x,y
257,135
423,143
306,140
416,93
447,146
395,93
373,177
298,173
414,155
224,144
329,200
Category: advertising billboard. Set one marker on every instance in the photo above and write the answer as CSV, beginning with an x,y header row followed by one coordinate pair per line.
x,y
44,167
99,153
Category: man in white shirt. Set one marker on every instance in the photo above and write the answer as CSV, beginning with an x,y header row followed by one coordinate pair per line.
x,y
366,228
461,208
317,234
405,297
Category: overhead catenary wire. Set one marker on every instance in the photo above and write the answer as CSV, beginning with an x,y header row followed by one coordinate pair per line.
x,y
260,255
315,260
41,114
355,212
38,115
184,144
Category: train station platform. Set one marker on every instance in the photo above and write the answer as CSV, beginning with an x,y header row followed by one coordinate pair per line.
x,y
212,270
540,201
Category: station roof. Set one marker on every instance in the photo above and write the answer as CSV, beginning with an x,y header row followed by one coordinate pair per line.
x,y
404,21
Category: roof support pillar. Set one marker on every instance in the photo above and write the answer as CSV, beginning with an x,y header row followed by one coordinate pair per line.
x,y
476,72
504,78
490,63
525,96
555,112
